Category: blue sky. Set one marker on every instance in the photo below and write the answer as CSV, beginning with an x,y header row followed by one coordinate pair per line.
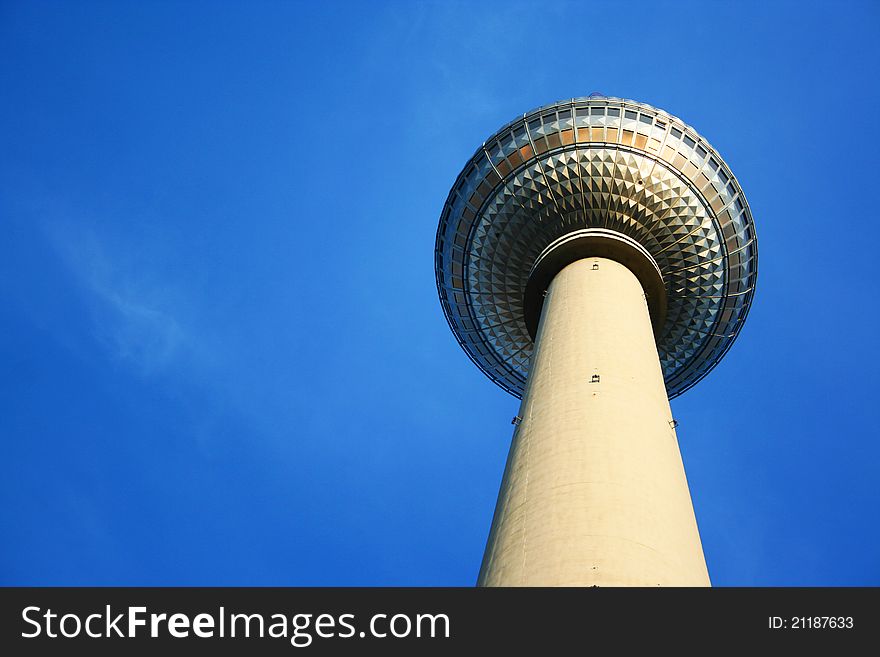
x,y
224,360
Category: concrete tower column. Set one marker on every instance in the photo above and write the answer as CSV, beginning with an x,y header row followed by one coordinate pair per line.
x,y
594,491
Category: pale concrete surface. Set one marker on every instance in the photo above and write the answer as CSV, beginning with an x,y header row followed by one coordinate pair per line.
x,y
594,492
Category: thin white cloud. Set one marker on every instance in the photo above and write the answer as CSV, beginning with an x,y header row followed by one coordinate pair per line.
x,y
131,312
149,319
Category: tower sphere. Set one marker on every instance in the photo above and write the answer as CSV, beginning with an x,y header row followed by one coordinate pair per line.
x,y
596,176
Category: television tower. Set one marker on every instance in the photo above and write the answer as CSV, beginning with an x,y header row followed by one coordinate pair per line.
x,y
596,257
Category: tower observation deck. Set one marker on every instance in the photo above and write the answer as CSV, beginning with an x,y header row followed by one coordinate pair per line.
x,y
595,257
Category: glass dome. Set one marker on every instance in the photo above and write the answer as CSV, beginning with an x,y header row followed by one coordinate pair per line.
x,y
596,162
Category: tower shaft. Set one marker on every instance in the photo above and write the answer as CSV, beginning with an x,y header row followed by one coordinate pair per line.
x,y
594,491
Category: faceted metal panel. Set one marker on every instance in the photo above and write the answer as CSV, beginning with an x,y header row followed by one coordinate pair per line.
x,y
596,162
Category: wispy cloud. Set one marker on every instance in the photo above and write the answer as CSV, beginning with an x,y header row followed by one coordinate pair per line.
x,y
149,318
131,311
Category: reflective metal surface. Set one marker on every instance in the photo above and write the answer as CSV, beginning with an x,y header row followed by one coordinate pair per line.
x,y
606,163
